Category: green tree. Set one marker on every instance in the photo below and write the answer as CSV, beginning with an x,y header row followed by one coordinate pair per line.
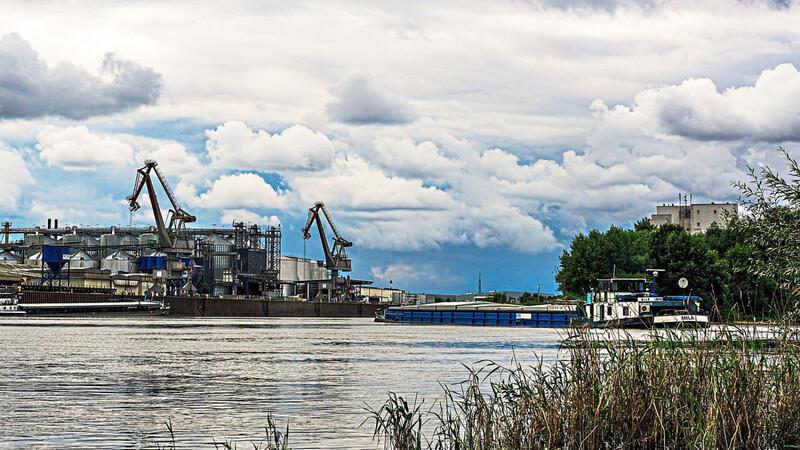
x,y
643,224
498,297
773,228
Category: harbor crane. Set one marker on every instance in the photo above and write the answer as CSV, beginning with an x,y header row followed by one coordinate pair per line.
x,y
336,259
168,234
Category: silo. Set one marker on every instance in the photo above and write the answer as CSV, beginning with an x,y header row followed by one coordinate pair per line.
x,y
82,260
38,239
109,240
90,241
288,268
117,262
148,239
304,269
71,240
127,239
9,258
35,259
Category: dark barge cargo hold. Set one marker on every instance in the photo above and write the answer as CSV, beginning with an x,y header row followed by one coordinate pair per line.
x,y
484,314
52,302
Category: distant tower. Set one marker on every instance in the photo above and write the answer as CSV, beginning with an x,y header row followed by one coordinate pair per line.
x,y
479,283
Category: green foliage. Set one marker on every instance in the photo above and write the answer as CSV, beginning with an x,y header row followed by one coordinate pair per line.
x,y
497,297
772,228
528,299
596,254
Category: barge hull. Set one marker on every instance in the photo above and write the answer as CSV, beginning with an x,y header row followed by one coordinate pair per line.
x,y
483,318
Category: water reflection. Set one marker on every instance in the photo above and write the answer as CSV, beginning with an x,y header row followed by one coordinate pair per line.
x,y
112,382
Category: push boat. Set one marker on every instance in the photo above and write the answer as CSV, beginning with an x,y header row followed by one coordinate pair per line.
x,y
9,305
616,303
633,303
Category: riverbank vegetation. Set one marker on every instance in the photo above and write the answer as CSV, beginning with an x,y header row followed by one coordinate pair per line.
x,y
748,267
732,389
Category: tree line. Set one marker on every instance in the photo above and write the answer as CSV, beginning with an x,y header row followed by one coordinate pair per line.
x,y
748,266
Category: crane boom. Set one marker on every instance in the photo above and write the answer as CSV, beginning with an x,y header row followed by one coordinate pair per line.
x,y
167,234
335,255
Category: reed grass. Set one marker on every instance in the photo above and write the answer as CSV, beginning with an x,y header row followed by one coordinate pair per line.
x,y
735,388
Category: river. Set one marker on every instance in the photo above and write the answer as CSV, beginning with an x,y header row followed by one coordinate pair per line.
x,y
112,382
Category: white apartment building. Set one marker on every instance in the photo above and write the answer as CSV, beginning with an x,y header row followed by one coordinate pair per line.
x,y
693,217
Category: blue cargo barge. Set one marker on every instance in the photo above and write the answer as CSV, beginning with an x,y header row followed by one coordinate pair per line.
x,y
484,314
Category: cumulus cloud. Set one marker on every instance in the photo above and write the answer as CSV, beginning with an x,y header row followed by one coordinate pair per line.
x,y
696,109
243,190
409,159
361,103
234,145
354,184
14,177
29,88
174,160
392,212
247,216
76,148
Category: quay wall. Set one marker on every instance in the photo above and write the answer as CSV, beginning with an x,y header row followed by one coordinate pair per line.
x,y
220,307
231,307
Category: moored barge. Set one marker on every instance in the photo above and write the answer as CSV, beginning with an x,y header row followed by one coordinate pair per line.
x,y
484,313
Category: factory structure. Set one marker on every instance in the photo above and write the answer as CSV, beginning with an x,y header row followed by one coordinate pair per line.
x,y
171,258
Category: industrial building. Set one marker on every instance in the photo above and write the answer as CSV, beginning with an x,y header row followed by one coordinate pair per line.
x,y
693,217
171,258
241,260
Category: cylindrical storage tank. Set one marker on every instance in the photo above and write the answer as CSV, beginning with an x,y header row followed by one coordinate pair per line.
x,y
148,239
287,289
108,240
82,260
288,269
38,239
35,258
9,258
127,239
71,240
305,270
117,262
90,241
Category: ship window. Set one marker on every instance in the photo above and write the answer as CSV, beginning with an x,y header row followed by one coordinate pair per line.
x,y
626,311
698,224
609,310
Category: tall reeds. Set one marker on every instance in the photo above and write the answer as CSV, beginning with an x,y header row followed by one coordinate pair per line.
x,y
725,389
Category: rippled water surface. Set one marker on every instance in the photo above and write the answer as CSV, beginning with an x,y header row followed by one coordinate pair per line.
x,y
113,382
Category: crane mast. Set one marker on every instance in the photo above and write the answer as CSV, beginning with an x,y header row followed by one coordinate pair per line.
x,y
336,259
178,217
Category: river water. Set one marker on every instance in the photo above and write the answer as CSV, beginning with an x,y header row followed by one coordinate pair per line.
x,y
112,382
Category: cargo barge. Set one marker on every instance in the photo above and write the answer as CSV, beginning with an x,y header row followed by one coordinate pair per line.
x,y
616,303
484,314
50,302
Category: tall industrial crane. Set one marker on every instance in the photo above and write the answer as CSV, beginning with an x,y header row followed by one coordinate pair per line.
x,y
335,256
167,234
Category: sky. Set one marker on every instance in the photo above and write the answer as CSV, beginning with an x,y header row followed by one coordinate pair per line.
x,y
446,138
